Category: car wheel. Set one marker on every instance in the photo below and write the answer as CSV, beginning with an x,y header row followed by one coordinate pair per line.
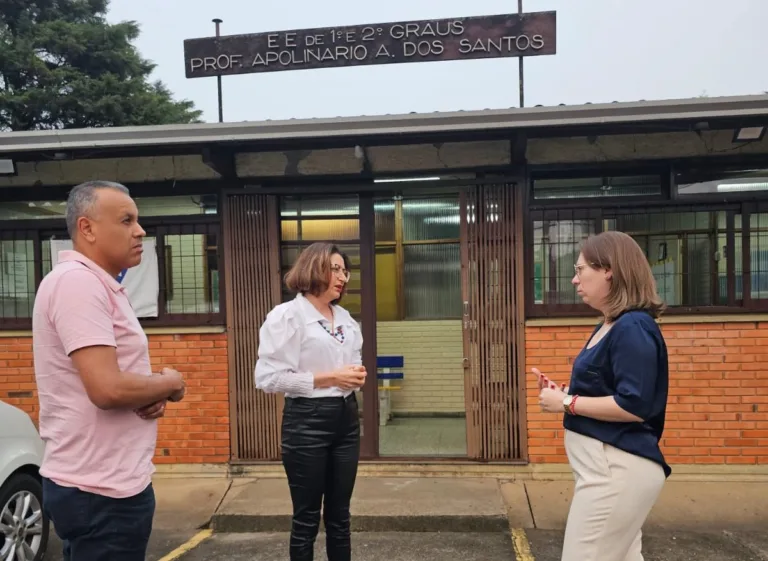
x,y
23,528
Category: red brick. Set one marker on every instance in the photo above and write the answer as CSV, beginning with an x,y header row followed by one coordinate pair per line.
x,y
718,400
183,435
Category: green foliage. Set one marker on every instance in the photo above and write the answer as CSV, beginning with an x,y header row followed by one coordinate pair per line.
x,y
62,65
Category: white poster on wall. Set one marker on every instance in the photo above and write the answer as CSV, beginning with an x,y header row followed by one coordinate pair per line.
x,y
142,282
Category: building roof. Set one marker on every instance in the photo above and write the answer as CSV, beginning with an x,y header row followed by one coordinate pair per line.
x,y
530,118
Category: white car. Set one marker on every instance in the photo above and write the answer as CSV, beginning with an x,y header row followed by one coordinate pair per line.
x,y
23,527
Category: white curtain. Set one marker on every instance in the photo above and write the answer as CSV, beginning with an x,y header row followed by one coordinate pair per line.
x,y
142,282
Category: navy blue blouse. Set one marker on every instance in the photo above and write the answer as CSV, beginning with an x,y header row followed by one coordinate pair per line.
x,y
631,364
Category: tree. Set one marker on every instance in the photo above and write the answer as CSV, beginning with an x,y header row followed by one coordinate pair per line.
x,y
62,65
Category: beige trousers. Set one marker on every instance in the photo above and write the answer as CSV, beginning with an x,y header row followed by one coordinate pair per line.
x,y
615,491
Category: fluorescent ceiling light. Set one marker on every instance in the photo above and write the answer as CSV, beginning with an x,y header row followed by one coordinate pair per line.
x,y
748,134
405,179
743,187
7,167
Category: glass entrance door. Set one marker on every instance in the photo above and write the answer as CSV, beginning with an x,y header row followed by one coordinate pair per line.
x,y
419,345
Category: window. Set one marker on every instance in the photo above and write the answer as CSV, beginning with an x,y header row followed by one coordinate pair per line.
x,y
17,276
696,254
556,240
698,182
177,282
597,187
148,206
709,256
306,220
418,264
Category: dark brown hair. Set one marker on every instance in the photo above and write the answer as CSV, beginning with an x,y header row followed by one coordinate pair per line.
x,y
632,284
311,271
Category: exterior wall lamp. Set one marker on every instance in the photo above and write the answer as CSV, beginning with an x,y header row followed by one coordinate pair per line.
x,y
7,167
749,134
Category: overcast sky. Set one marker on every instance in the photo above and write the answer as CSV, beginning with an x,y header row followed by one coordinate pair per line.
x,y
608,50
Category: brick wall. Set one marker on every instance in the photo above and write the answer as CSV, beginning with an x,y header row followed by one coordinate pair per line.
x,y
717,411
193,431
434,376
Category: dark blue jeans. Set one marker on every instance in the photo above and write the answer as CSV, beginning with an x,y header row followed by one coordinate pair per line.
x,y
97,528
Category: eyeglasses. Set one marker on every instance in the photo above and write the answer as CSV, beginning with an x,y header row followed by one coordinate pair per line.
x,y
578,269
339,272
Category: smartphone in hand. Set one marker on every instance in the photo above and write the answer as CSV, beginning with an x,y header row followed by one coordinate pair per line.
x,y
544,382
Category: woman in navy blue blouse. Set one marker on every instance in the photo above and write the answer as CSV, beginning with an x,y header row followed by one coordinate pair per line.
x,y
615,404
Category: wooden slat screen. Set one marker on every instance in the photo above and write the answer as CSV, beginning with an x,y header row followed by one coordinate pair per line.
x,y
491,258
252,280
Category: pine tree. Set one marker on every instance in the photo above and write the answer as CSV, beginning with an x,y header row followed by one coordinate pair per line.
x,y
62,65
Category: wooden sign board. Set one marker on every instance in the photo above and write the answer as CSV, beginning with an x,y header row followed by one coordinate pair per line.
x,y
498,36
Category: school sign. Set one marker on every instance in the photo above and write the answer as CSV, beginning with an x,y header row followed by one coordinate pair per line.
x,y
497,36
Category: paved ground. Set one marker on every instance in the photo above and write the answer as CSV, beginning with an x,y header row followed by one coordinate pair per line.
x,y
545,546
161,543
669,546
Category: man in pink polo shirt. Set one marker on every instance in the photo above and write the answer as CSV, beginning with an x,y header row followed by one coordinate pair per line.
x,y
99,400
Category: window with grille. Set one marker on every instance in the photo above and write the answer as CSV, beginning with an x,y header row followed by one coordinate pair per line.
x,y
182,289
709,256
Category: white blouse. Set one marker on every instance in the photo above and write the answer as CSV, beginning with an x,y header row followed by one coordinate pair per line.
x,y
295,343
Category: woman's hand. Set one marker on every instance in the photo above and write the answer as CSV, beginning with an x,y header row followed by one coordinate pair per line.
x,y
551,400
350,377
544,382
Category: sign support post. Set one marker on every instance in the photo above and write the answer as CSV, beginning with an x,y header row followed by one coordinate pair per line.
x,y
520,62
218,22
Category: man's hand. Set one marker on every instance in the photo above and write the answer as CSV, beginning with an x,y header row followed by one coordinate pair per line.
x,y
177,395
153,411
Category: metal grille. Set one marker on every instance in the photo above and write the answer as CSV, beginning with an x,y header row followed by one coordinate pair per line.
x,y
187,263
491,257
191,269
253,289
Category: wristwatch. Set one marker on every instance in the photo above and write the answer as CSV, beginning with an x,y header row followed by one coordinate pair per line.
x,y
567,403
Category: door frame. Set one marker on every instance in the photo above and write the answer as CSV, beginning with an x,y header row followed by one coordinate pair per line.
x,y
365,217
369,445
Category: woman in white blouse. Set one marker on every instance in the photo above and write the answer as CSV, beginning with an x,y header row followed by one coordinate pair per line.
x,y
310,350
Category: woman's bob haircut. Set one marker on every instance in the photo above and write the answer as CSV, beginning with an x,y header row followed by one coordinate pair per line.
x,y
311,273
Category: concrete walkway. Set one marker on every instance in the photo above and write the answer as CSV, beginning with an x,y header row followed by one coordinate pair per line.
x,y
488,505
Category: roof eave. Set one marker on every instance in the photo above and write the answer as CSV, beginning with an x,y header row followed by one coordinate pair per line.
x,y
532,118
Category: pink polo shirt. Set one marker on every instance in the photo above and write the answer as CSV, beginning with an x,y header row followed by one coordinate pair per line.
x,y
110,452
